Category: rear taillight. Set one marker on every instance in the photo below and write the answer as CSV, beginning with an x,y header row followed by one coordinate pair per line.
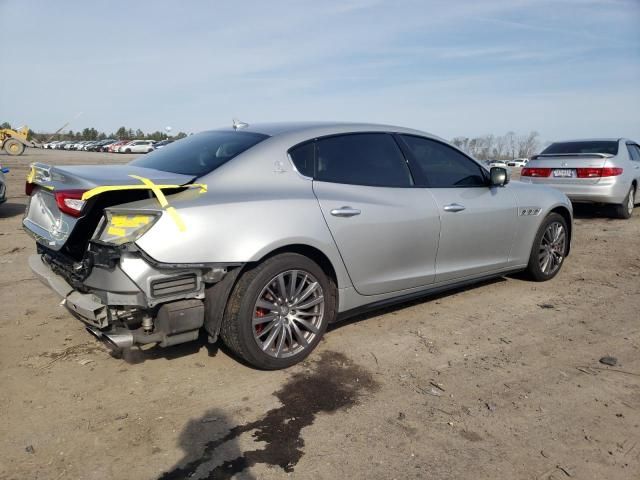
x,y
598,172
70,201
535,172
28,188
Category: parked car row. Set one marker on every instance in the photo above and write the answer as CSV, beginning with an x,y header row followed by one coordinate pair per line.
x,y
516,162
108,145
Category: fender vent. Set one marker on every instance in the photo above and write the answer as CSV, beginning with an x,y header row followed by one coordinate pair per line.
x,y
174,285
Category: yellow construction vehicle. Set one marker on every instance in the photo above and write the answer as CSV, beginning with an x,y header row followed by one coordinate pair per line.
x,y
14,141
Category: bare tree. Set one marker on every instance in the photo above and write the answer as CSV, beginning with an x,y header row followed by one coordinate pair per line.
x,y
528,144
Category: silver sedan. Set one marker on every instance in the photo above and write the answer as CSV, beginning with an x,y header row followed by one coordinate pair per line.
x,y
265,234
590,171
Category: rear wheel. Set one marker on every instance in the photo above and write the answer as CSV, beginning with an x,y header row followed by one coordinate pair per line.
x,y
127,150
549,248
13,147
278,311
625,209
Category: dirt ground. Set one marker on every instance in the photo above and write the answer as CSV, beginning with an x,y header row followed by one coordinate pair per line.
x,y
502,380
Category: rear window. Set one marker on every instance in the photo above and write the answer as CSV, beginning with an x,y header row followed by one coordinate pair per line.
x,y
593,146
201,153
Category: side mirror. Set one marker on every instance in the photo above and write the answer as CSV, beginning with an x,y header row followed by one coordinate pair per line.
x,y
498,177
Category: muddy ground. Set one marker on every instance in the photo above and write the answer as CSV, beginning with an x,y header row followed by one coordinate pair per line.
x,y
497,381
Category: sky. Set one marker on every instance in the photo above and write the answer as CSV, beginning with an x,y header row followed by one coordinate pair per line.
x,y
564,68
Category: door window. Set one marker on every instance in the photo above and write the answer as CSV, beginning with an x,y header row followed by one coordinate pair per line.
x,y
372,159
441,166
634,152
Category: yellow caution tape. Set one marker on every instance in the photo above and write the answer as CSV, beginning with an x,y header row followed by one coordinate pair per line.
x,y
112,188
146,185
126,221
31,177
117,232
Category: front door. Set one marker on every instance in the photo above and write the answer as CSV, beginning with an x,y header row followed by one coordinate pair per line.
x,y
477,221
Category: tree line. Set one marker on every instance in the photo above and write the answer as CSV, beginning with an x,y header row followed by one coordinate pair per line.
x,y
123,133
500,147
487,147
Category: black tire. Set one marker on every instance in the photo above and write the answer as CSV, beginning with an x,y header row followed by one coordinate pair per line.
x,y
625,209
127,151
535,268
237,330
13,147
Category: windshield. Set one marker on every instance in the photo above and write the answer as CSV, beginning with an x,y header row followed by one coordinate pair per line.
x,y
592,146
199,154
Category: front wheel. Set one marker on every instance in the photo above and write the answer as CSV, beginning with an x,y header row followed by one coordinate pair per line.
x,y
550,248
625,209
13,147
278,311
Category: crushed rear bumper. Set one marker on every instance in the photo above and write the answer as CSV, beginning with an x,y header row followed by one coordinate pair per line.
x,y
131,300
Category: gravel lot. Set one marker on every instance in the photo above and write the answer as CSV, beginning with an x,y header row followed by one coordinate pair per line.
x,y
497,381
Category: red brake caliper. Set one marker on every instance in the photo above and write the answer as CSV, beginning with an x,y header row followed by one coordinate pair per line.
x,y
260,312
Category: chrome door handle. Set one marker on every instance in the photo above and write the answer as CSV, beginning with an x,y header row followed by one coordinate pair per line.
x,y
345,212
454,207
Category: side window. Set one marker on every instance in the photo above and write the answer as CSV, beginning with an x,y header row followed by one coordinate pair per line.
x,y
303,157
442,166
372,159
634,152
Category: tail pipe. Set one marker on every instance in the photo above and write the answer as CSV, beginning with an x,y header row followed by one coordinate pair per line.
x,y
115,338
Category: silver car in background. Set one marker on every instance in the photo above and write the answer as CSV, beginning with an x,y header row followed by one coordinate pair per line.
x,y
265,234
590,171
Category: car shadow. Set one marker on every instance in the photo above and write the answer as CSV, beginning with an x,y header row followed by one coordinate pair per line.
x,y
329,383
586,211
410,303
9,209
209,449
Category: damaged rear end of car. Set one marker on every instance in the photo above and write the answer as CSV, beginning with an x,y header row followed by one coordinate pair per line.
x,y
86,221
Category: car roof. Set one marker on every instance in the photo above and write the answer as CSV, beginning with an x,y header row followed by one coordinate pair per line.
x,y
317,128
610,139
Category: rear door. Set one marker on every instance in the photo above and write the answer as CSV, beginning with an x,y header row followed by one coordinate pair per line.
x,y
385,229
477,222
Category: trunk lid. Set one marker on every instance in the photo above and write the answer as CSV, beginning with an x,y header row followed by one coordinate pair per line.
x,y
53,227
564,167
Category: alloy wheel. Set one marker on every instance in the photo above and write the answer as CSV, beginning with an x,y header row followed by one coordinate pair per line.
x,y
552,248
288,313
631,201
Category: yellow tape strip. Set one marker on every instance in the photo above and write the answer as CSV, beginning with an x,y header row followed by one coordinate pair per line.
x,y
157,191
125,221
116,232
112,188
31,177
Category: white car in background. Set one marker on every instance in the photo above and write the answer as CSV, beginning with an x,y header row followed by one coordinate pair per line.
x,y
518,162
497,163
137,146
